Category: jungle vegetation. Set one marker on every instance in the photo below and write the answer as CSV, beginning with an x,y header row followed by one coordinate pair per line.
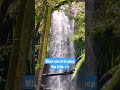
x,y
16,33
20,23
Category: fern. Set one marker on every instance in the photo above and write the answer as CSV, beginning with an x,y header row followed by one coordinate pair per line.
x,y
78,65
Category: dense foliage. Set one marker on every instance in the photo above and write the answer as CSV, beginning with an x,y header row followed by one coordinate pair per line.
x,y
106,39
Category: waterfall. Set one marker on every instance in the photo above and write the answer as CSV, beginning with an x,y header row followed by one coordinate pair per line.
x,y
61,45
61,34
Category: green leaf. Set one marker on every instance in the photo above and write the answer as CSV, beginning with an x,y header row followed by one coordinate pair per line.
x,y
78,65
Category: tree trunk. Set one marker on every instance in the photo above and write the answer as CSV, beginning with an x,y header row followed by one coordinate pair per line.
x,y
41,41
46,28
27,28
89,52
15,47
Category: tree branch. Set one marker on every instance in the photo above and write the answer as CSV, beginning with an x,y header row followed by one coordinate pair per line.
x,y
55,74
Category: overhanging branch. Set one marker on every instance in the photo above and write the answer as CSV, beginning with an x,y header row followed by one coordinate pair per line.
x,y
55,74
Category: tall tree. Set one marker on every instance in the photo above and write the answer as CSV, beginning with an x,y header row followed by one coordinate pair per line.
x,y
89,39
17,26
43,49
27,28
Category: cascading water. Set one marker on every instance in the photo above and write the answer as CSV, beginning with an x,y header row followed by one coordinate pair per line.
x,y
61,33
61,46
